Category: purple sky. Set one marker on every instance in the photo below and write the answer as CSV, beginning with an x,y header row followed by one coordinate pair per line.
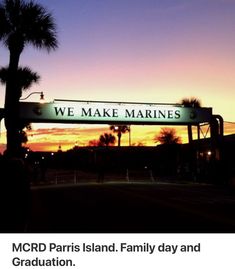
x,y
139,50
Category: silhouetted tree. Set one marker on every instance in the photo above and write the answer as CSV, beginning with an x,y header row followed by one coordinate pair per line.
x,y
190,102
24,79
23,137
107,140
138,144
119,129
22,23
93,143
167,136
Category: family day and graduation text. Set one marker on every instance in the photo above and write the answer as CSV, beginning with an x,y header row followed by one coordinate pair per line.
x,y
20,250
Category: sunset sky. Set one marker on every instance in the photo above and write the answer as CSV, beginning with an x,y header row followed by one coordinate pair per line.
x,y
133,50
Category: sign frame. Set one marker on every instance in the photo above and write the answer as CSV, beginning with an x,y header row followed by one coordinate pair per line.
x,y
126,113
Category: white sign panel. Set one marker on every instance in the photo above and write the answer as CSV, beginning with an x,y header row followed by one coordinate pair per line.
x,y
111,112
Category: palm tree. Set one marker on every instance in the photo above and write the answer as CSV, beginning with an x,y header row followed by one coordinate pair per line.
x,y
119,129
22,23
190,102
107,140
93,143
167,136
25,77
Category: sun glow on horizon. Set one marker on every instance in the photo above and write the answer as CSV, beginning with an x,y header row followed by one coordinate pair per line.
x,y
49,139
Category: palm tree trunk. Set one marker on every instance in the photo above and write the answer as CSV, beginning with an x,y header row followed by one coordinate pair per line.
x,y
119,139
12,123
12,108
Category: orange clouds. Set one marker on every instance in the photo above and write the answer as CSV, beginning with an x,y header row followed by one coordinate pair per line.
x,y
49,139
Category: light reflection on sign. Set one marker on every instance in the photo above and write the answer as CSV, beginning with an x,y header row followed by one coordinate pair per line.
x,y
111,112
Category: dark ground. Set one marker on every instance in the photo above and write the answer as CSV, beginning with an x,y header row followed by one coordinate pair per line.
x,y
132,208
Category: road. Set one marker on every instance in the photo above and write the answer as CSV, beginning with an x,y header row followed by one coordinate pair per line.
x,y
132,208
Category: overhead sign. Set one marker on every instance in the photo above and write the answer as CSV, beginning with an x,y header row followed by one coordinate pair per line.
x,y
112,112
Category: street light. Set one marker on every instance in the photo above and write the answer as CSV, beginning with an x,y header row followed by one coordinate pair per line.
x,y
42,100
